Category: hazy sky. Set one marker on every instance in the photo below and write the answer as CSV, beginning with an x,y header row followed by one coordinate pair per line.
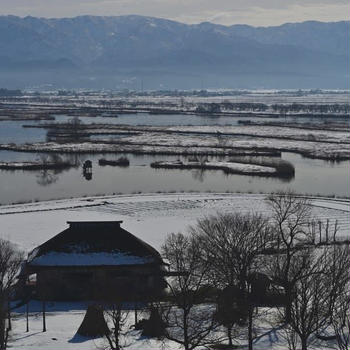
x,y
254,12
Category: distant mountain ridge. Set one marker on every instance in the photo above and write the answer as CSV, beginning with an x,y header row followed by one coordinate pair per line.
x,y
105,51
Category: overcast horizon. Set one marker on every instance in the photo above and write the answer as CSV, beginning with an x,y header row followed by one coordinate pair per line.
x,y
175,20
251,12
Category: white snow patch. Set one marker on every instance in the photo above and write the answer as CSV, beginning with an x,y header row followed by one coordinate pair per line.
x,y
149,216
88,259
249,168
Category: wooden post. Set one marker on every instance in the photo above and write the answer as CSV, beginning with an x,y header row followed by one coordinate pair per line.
x,y
27,317
320,230
250,327
135,314
9,315
44,315
335,230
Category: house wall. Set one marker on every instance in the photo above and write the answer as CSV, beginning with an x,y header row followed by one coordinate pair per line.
x,y
128,283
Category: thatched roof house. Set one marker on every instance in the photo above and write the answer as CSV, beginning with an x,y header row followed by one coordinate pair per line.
x,y
96,260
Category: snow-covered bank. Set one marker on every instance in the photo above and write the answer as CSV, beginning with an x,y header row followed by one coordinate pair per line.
x,y
257,130
271,132
227,167
34,165
148,216
179,145
218,140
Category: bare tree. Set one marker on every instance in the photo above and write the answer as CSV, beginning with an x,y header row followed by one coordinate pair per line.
x,y
339,282
338,277
189,320
74,123
290,218
316,297
232,245
115,324
222,140
341,321
10,263
75,127
117,317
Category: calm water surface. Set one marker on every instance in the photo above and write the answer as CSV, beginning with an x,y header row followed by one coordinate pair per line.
x,y
311,175
12,131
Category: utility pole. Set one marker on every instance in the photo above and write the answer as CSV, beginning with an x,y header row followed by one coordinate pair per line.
x,y
27,317
44,315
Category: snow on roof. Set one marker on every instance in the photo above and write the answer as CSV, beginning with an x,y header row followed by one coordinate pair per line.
x,y
93,243
91,259
93,223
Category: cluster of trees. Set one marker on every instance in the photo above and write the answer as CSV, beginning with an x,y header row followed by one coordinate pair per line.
x,y
243,106
211,93
281,108
231,270
312,108
180,93
230,106
10,262
232,266
10,93
208,108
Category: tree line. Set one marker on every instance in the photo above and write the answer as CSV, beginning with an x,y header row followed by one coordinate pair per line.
x,y
312,108
234,266
233,271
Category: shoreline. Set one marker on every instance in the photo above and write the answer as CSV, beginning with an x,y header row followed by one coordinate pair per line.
x,y
251,169
180,150
88,200
34,165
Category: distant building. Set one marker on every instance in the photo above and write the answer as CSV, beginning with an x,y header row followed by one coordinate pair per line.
x,y
96,260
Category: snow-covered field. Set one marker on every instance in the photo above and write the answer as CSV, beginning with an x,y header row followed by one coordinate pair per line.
x,y
150,217
271,131
274,131
179,144
208,139
252,96
228,167
63,320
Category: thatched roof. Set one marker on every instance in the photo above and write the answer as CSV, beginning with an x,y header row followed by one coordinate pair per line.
x,y
94,243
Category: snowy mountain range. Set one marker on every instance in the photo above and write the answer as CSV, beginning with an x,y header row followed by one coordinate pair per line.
x,y
90,51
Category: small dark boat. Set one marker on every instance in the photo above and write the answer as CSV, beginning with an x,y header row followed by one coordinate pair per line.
x,y
122,161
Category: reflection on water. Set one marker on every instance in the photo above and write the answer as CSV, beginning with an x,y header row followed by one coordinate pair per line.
x,y
198,174
87,170
311,176
46,177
